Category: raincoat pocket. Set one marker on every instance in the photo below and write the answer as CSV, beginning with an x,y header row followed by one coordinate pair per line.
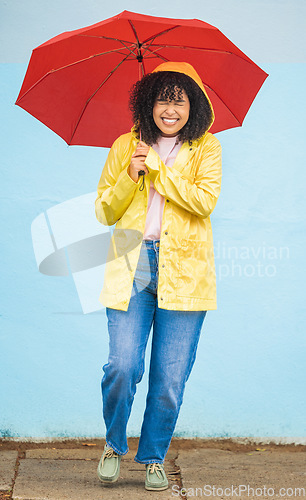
x,y
117,275
194,272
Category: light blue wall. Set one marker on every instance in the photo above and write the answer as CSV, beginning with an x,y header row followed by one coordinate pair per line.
x,y
249,376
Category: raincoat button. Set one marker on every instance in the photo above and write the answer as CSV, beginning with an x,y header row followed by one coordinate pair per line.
x,y
166,232
161,298
168,200
163,265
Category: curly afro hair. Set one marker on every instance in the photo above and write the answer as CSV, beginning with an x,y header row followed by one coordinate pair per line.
x,y
168,85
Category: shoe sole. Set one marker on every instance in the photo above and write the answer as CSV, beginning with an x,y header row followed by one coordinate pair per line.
x,y
160,488
105,481
108,481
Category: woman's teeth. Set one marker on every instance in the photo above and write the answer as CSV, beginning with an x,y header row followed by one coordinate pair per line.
x,y
170,121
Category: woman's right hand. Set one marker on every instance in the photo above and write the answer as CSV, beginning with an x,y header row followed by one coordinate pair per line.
x,y
138,161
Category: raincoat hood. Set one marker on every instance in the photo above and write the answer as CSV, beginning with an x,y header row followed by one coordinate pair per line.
x,y
187,69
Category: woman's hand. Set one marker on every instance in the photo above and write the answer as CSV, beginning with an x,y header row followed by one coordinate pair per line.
x,y
138,161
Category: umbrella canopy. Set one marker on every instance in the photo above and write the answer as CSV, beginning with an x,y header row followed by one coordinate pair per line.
x,y
78,83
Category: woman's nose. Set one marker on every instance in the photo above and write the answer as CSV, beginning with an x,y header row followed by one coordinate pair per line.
x,y
170,110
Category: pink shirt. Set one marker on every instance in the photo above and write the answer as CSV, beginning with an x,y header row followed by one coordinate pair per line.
x,y
167,149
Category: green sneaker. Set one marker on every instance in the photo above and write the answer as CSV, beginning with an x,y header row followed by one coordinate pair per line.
x,y
156,478
109,465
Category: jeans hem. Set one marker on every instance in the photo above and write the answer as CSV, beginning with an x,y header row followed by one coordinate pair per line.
x,y
115,448
148,461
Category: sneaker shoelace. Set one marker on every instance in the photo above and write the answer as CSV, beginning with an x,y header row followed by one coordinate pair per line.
x,y
110,453
156,467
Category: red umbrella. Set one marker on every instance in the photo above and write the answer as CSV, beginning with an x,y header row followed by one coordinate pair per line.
x,y
78,82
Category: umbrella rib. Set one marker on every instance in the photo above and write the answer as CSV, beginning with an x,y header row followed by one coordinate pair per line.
x,y
205,50
158,55
148,47
161,46
128,48
134,31
89,99
161,33
154,56
139,56
108,38
124,42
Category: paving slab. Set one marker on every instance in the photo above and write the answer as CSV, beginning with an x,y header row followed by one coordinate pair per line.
x,y
255,473
70,454
7,468
47,479
91,453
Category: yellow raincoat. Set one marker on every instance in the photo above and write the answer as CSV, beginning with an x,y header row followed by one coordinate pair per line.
x,y
191,187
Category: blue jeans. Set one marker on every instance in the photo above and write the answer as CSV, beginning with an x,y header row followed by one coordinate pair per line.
x,y
174,344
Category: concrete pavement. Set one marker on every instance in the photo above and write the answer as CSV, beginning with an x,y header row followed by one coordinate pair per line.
x,y
195,469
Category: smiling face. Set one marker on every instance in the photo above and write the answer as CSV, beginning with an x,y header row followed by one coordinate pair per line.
x,y
170,116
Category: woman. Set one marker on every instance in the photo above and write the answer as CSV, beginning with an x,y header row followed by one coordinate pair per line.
x,y
159,185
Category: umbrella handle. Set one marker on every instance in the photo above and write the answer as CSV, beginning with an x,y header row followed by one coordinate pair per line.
x,y
141,172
